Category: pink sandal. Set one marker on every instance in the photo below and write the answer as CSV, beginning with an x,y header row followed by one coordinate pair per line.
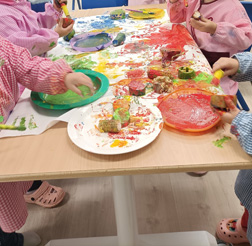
x,y
231,231
46,195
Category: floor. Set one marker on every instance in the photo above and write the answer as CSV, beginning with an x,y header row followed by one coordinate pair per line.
x,y
165,203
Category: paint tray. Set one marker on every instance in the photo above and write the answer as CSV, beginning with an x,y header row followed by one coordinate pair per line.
x,y
70,99
188,110
91,41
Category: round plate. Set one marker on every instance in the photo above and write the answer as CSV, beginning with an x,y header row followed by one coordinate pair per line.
x,y
83,127
91,41
188,110
100,81
158,13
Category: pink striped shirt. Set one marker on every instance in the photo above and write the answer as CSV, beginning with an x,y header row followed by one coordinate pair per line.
x,y
26,28
37,74
233,33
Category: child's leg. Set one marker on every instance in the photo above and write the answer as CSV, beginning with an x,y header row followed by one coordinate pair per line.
x,y
13,214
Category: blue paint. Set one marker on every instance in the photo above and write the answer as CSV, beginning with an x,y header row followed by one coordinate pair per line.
x,y
100,22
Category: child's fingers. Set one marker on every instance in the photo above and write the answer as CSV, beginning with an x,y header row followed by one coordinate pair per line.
x,y
69,28
75,89
60,23
229,102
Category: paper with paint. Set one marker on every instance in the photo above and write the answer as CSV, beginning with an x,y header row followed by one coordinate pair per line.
x,y
140,51
145,125
34,118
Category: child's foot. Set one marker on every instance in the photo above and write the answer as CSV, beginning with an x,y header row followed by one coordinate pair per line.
x,y
46,195
31,238
231,231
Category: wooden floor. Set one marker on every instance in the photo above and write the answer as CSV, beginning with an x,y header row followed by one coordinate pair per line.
x,y
165,203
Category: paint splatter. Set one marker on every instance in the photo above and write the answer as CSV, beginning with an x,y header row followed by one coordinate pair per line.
x,y
15,121
22,122
219,142
32,124
52,44
119,143
1,118
1,62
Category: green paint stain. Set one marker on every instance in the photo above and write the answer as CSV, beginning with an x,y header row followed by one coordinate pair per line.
x,y
67,97
32,124
22,122
219,142
77,61
52,44
33,47
15,121
108,55
1,62
207,78
1,118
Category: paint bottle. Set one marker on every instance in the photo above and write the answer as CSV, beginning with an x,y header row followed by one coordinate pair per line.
x,y
119,40
65,10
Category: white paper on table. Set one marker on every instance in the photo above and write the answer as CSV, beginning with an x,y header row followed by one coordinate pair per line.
x,y
37,119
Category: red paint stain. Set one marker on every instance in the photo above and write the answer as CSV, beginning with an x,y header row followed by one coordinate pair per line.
x,y
190,112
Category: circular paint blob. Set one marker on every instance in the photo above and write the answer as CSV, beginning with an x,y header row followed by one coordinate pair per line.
x,y
188,110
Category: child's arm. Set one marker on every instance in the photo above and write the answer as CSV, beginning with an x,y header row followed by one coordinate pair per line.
x,y
41,74
239,66
37,42
241,127
234,31
48,19
176,10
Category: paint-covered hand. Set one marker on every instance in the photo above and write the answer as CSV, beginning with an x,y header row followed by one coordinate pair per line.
x,y
61,30
230,66
204,25
228,117
73,80
57,4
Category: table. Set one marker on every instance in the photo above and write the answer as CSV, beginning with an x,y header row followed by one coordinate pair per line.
x,y
52,155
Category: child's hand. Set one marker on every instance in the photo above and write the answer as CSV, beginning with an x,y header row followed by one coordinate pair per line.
x,y
61,30
57,4
73,80
228,117
230,66
204,25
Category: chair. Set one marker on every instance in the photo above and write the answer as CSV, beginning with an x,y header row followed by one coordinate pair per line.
x,y
86,4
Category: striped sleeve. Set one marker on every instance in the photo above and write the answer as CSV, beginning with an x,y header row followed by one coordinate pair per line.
x,y
241,127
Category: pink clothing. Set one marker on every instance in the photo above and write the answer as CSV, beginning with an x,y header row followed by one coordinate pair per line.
x,y
233,33
26,28
144,2
13,209
37,74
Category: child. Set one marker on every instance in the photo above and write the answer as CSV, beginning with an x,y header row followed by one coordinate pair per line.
x,y
31,30
239,230
143,2
38,74
222,30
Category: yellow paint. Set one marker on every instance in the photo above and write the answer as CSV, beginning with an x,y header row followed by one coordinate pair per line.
x,y
103,67
119,143
110,30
